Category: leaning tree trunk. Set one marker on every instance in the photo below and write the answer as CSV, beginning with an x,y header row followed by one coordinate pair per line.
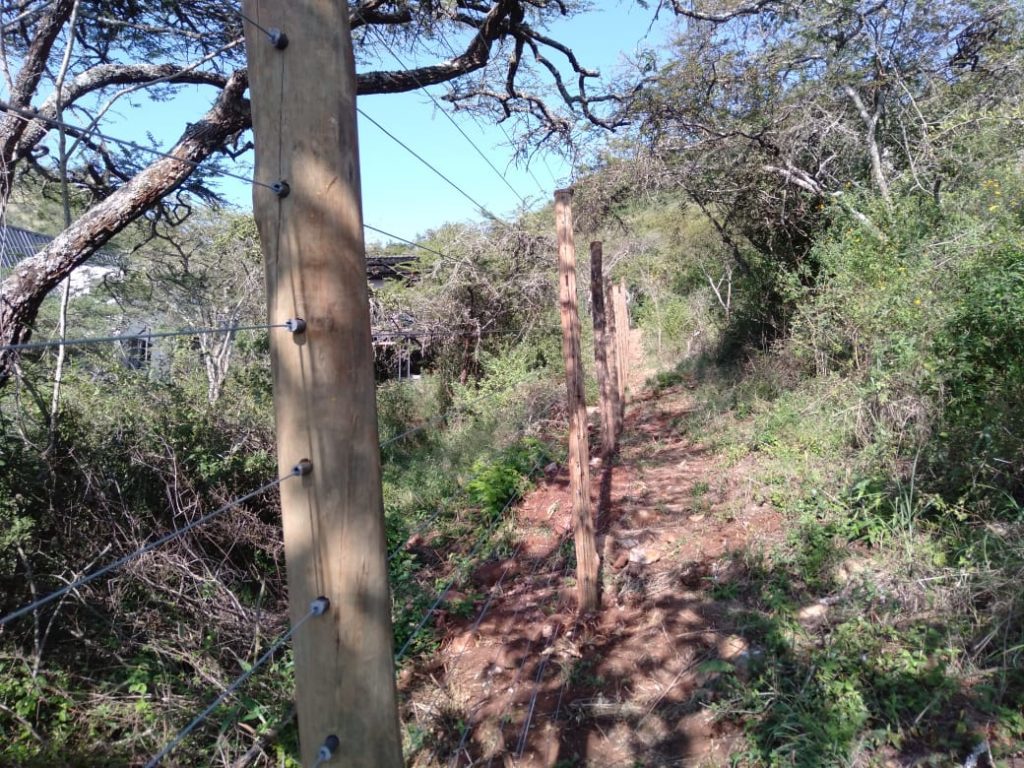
x,y
23,291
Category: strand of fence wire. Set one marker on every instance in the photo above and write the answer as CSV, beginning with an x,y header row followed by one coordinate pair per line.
x,y
294,325
401,239
431,166
524,733
468,727
297,471
317,608
77,131
146,336
500,124
277,38
428,523
422,528
452,120
526,656
511,690
443,592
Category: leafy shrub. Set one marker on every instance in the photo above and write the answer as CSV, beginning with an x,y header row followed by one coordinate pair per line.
x,y
980,362
494,482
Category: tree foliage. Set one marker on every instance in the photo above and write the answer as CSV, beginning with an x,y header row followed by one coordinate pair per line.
x,y
120,49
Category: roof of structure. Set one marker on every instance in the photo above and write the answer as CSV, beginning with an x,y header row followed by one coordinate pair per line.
x,y
389,267
17,244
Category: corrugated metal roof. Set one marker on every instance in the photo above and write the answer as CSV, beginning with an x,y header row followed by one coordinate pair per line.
x,y
17,244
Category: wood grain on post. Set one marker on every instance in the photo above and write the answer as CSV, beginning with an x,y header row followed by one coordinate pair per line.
x,y
607,386
579,452
303,108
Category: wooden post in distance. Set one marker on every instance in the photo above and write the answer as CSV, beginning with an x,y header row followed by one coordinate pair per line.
x,y
304,120
607,386
621,311
612,356
579,451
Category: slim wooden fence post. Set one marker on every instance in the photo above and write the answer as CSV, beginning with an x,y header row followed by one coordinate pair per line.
x,y
612,356
607,386
579,451
307,205
622,341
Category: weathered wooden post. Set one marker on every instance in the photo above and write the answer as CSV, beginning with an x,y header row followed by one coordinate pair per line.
x,y
621,311
579,452
303,108
612,356
607,385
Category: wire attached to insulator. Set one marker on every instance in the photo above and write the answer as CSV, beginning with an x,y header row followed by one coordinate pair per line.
x,y
327,750
292,325
301,469
317,607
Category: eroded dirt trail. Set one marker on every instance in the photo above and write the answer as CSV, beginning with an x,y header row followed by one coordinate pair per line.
x,y
525,682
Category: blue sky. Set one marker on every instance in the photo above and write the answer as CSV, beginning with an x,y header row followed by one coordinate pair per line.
x,y
401,195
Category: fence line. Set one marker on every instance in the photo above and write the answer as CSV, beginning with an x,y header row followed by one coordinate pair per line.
x,y
401,239
295,325
317,608
468,727
428,164
298,470
28,116
442,593
500,124
452,120
321,605
278,187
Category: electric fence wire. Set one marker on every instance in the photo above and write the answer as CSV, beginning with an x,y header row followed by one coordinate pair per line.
x,y
443,592
276,36
317,608
429,522
452,120
401,239
525,732
146,336
468,727
526,657
428,164
30,116
512,689
500,125
297,471
418,531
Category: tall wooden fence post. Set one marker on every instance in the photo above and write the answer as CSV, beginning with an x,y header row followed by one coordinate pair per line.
x,y
607,385
303,108
579,452
621,311
612,355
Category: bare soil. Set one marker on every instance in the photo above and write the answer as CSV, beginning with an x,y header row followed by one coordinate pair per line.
x,y
524,681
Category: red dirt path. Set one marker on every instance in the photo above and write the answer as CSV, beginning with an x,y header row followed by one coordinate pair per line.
x,y
527,683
